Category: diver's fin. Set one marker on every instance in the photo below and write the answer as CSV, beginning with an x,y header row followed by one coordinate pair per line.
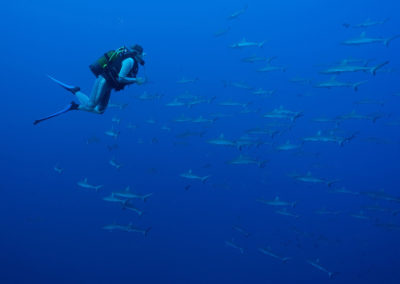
x,y
71,106
72,89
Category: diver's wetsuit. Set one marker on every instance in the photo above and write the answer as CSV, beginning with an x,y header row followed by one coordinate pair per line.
x,y
101,91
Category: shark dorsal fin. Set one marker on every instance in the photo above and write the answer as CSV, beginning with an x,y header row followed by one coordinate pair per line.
x,y
128,188
190,171
363,34
85,180
276,198
319,133
317,260
221,136
287,142
243,40
308,173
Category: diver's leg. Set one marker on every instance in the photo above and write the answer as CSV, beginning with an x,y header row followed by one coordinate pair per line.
x,y
103,102
86,103
96,92
100,95
84,100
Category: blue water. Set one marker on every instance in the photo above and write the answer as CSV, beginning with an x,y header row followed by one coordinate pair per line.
x,y
51,229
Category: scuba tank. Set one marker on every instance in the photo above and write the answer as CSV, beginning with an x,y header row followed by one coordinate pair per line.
x,y
102,63
109,65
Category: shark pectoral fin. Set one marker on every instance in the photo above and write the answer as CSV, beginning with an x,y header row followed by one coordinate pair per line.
x,y
147,231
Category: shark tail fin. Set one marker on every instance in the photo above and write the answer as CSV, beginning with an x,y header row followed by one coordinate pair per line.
x,y
374,69
262,164
329,183
147,196
211,99
285,259
146,231
358,84
375,118
261,44
332,275
98,188
388,40
269,60
294,204
204,179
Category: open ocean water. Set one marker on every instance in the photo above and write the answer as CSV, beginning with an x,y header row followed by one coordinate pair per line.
x,y
263,147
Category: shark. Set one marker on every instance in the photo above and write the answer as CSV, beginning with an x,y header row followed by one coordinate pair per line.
x,y
115,199
309,178
241,231
126,228
281,113
288,146
243,160
333,83
244,43
345,68
268,252
186,81
285,212
367,23
222,141
363,39
319,137
189,175
58,169
128,194
318,266
84,183
354,115
128,206
115,164
277,202
271,68
222,32
112,133
236,14
381,195
263,92
176,103
235,246
120,106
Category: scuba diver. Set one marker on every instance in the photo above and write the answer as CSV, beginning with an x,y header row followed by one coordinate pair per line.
x,y
114,70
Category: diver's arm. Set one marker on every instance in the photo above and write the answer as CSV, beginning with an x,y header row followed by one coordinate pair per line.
x,y
126,68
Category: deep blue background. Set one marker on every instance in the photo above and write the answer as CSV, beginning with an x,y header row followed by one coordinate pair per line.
x,y
51,229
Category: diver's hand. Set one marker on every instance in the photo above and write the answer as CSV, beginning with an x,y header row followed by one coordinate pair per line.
x,y
140,80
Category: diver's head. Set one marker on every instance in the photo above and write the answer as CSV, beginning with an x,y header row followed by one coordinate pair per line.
x,y
139,53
